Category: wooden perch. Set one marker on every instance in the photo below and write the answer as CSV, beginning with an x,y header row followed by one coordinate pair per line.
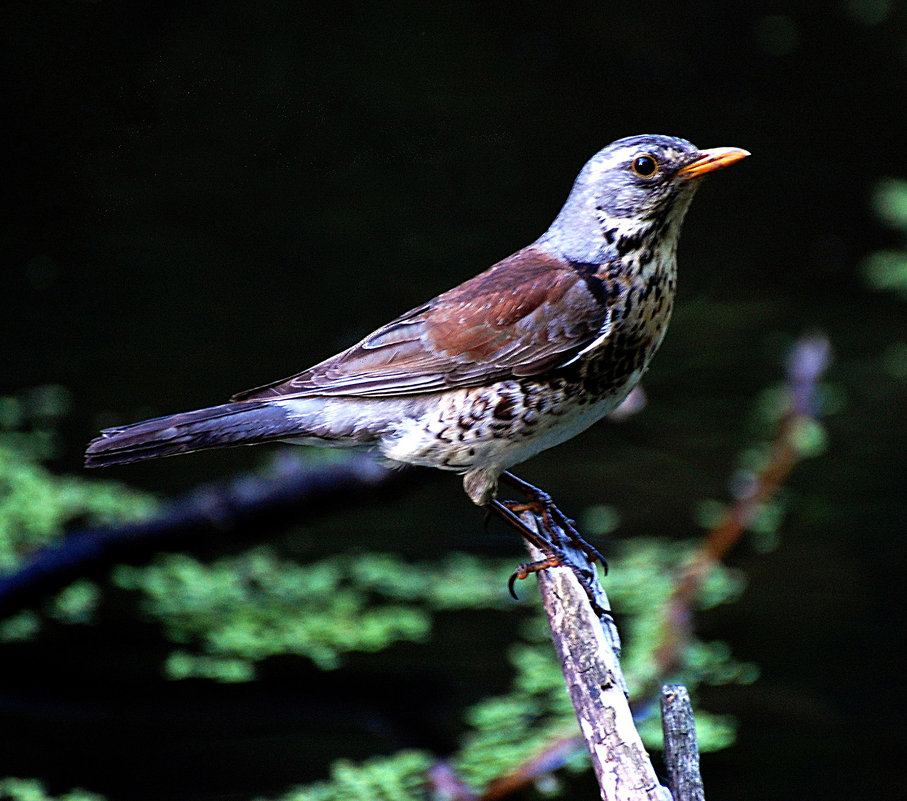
x,y
588,649
681,748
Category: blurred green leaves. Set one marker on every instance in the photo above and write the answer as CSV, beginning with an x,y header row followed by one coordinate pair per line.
x,y
396,778
37,506
890,202
12,789
242,609
886,270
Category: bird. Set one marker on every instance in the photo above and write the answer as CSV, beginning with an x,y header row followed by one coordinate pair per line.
x,y
515,360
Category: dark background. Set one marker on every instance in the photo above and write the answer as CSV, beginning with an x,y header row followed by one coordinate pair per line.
x,y
206,196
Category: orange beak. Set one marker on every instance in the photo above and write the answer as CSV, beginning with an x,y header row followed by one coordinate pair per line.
x,y
710,160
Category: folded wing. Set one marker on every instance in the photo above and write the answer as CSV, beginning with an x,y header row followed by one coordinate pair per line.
x,y
527,314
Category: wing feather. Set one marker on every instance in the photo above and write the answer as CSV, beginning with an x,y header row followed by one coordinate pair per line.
x,y
528,313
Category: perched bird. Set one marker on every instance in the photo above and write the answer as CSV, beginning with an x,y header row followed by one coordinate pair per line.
x,y
515,360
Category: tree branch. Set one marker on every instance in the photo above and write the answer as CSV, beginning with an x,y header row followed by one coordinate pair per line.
x,y
297,488
806,364
588,649
681,751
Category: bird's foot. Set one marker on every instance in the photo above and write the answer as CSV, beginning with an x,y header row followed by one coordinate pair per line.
x,y
555,555
584,577
540,503
526,569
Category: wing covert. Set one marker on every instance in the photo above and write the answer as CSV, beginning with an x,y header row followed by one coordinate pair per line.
x,y
528,313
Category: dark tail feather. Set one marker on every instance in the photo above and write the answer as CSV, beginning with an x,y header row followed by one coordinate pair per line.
x,y
217,427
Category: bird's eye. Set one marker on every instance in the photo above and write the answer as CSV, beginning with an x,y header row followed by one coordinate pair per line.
x,y
645,166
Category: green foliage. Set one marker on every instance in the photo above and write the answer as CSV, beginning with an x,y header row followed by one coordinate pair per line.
x,y
229,615
22,626
242,609
400,777
890,202
507,731
894,360
237,611
886,270
648,568
33,790
76,603
806,436
600,519
37,506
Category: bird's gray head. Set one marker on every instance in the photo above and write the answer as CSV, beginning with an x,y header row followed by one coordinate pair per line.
x,y
634,188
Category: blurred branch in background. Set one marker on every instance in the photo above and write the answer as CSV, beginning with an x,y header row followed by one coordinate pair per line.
x,y
797,434
295,488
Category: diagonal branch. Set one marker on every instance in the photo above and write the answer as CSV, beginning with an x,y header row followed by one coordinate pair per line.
x,y
588,649
806,364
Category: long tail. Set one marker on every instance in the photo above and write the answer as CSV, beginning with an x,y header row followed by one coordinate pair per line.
x,y
216,427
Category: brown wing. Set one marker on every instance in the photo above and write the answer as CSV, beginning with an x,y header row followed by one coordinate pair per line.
x,y
526,314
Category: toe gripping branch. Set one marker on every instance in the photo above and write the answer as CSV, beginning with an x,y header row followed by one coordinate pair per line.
x,y
554,535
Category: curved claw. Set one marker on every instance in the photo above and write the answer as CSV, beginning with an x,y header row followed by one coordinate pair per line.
x,y
528,568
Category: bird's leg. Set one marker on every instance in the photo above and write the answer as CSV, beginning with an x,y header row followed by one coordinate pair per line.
x,y
555,556
552,550
540,502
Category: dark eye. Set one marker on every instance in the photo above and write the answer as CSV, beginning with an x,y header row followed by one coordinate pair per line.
x,y
645,166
